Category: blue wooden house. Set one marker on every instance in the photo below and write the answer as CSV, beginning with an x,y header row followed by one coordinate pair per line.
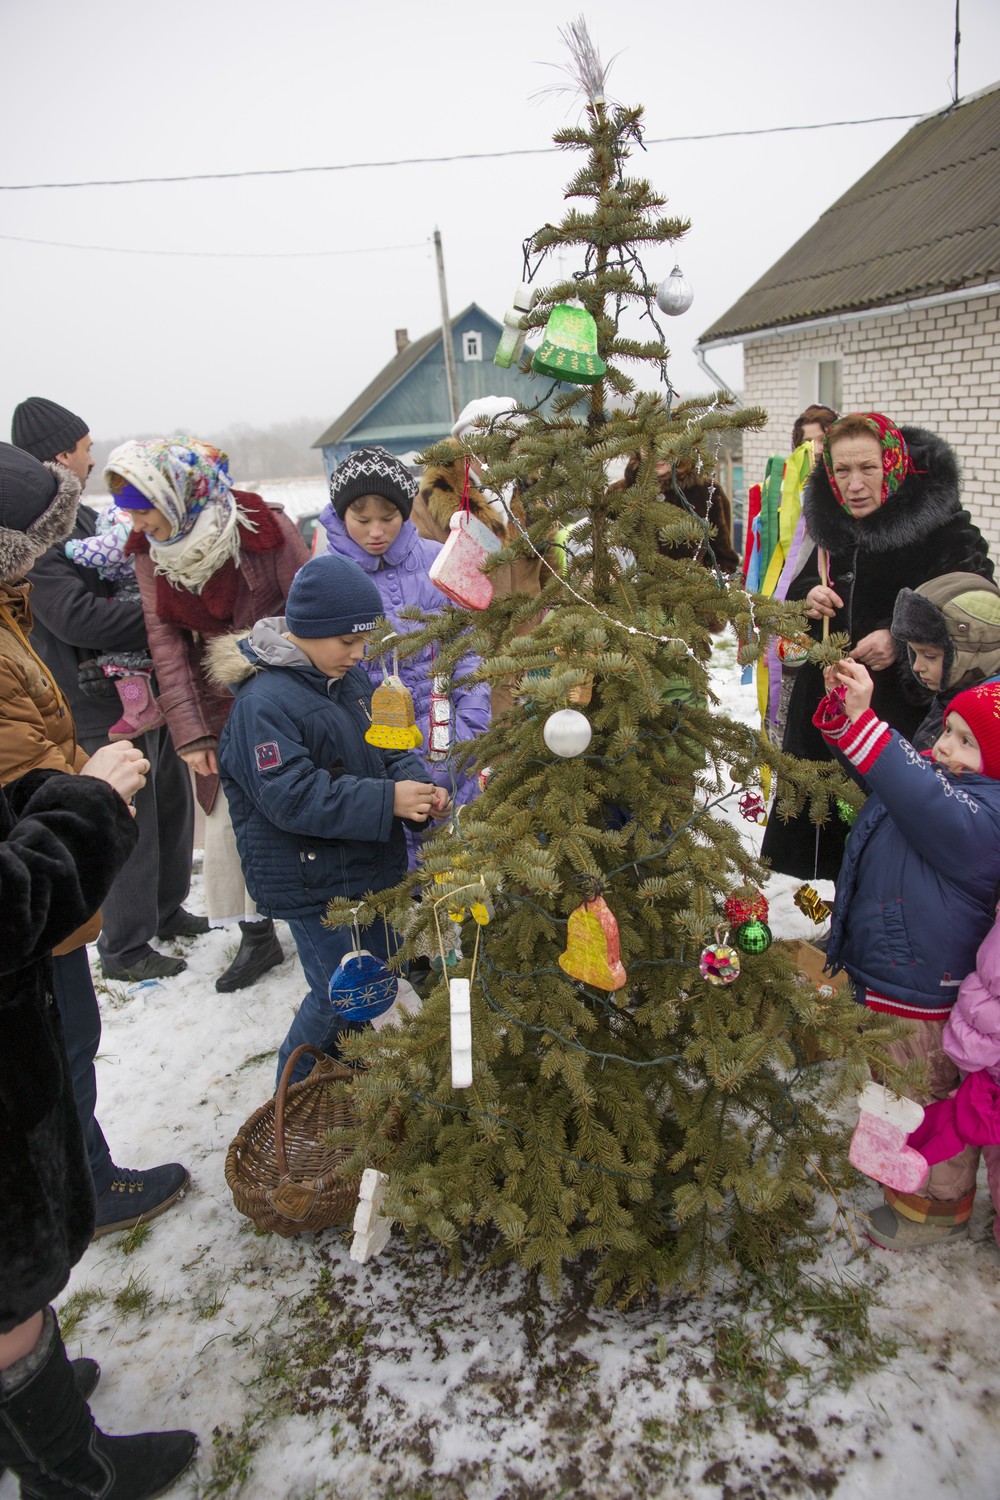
x,y
405,408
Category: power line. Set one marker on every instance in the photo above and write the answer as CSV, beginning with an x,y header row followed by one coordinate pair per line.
x,y
21,239
419,161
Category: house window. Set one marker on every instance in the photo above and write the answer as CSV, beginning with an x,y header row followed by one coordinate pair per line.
x,y
829,387
472,344
821,380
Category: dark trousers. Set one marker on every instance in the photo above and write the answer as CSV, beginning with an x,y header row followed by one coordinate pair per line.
x,y
81,1021
157,877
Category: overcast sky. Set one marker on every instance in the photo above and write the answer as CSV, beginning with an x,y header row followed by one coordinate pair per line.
x,y
108,89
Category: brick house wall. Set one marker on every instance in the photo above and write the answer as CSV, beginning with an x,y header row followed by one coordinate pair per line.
x,y
935,367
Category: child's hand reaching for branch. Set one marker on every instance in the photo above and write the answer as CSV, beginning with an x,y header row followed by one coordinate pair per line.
x,y
854,684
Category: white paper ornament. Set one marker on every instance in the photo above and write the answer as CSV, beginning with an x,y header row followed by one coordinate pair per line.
x,y
674,296
371,1228
460,1005
567,732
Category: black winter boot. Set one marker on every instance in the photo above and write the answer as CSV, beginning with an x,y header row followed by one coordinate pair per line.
x,y
86,1374
259,951
49,1440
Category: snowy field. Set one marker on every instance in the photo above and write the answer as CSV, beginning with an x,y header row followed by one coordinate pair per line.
x,y
307,1376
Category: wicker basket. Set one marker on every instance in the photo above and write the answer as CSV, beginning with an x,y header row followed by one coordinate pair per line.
x,y
280,1171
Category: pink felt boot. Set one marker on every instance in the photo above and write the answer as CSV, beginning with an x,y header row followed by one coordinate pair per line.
x,y
879,1146
140,710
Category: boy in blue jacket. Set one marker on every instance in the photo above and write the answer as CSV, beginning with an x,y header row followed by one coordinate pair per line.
x,y
318,812
916,895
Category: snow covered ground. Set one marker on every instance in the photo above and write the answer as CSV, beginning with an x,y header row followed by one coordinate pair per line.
x,y
307,1376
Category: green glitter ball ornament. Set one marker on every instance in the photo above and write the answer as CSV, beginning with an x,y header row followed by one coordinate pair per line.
x,y
753,937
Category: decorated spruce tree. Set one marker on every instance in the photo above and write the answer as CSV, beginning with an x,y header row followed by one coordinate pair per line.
x,y
634,1100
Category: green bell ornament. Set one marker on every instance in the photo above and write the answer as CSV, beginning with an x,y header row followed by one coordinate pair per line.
x,y
753,937
569,348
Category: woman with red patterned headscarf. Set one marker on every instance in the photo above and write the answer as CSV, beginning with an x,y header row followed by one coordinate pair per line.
x,y
883,513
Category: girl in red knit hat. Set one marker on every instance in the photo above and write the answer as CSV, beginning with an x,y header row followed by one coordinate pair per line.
x,y
916,896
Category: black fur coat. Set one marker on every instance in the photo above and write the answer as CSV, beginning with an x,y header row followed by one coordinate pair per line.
x,y
919,533
62,840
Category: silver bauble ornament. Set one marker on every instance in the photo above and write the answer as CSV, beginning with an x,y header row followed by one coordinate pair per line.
x,y
567,732
674,296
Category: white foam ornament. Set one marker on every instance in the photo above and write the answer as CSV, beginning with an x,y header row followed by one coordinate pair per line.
x,y
371,1228
567,732
461,1033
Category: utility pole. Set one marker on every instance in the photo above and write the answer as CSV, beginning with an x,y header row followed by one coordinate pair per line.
x,y
449,348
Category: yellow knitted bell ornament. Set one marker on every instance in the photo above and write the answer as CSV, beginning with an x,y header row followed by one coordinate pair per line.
x,y
393,725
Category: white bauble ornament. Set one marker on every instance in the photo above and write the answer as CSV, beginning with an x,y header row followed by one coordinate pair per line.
x,y
567,732
674,296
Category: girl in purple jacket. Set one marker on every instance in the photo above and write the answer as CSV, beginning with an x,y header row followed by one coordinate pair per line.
x,y
971,1038
368,521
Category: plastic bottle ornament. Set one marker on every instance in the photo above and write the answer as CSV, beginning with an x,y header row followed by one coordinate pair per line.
x,y
456,569
674,296
372,1227
439,736
569,348
393,726
362,987
592,951
514,332
751,806
791,652
811,904
567,732
746,905
753,937
483,776
719,963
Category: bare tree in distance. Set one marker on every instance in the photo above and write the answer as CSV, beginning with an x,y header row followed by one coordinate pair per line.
x,y
280,451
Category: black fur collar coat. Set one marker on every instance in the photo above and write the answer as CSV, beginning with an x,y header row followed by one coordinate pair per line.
x,y
920,533
62,840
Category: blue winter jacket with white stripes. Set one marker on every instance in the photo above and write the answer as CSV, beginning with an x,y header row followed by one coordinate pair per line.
x,y
311,800
916,893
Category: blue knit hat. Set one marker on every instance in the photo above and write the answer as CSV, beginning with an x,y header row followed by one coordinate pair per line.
x,y
330,595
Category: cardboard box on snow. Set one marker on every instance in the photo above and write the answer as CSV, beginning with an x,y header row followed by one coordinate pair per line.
x,y
809,961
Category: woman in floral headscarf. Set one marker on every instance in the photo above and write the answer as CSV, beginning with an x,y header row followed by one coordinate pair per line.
x,y
882,511
209,560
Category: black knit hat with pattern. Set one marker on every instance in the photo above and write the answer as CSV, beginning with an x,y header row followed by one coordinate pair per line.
x,y
44,428
372,471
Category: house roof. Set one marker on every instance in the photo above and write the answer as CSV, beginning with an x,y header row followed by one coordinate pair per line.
x,y
390,375
924,219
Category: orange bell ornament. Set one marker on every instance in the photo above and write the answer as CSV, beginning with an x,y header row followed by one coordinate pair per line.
x,y
592,953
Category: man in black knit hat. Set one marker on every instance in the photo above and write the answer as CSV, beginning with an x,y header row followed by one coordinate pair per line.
x,y
76,616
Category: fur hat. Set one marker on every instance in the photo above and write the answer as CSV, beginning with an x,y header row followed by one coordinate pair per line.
x,y
372,471
960,614
483,409
37,508
44,428
980,708
330,595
